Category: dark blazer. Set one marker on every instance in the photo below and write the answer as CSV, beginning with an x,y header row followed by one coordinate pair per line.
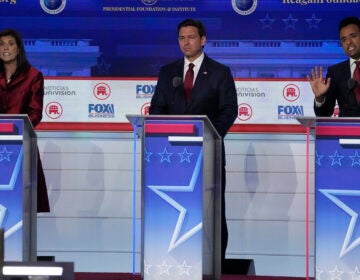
x,y
213,94
24,95
339,91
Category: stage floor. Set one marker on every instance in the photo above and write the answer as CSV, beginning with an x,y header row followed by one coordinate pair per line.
x,y
129,276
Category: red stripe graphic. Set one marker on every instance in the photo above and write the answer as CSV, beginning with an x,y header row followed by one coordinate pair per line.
x,y
170,128
338,130
7,128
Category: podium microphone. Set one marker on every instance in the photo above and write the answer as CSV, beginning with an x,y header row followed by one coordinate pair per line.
x,y
351,84
177,81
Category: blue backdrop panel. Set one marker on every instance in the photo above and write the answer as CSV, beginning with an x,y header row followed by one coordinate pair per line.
x,y
144,33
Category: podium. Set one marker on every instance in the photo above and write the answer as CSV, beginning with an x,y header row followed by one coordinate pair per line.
x,y
18,187
180,197
337,196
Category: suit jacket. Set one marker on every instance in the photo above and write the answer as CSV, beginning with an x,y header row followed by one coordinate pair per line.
x,y
24,95
213,94
340,92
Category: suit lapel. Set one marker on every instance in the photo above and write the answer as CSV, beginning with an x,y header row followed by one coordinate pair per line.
x,y
200,82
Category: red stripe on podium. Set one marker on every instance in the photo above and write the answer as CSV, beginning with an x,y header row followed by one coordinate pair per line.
x,y
7,128
170,128
338,131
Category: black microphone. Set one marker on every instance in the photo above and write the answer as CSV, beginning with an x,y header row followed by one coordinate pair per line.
x,y
352,84
177,81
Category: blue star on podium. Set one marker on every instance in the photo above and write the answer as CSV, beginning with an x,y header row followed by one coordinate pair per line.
x,y
332,195
336,159
147,155
318,158
185,156
165,156
355,159
176,239
5,155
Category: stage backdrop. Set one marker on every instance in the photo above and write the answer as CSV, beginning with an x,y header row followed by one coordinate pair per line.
x,y
105,55
101,57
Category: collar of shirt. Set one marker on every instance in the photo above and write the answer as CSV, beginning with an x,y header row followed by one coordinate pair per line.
x,y
352,66
197,62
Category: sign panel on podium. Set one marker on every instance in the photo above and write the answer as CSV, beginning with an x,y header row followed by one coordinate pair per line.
x,y
337,196
18,179
181,157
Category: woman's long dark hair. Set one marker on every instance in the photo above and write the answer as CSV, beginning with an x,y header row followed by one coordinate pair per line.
x,y
22,61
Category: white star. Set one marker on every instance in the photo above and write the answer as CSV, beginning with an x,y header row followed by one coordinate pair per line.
x,y
147,267
336,273
164,268
355,274
176,239
318,273
332,195
184,268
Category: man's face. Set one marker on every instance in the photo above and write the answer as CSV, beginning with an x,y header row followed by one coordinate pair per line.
x,y
190,42
350,40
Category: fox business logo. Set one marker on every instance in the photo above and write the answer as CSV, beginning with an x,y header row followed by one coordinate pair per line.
x,y
290,112
101,111
145,91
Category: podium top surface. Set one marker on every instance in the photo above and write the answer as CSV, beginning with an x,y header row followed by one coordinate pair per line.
x,y
138,120
27,124
312,121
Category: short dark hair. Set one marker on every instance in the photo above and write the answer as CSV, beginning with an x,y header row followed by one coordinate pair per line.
x,y
21,58
192,22
347,21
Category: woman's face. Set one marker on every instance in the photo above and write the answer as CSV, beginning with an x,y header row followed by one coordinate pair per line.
x,y
8,49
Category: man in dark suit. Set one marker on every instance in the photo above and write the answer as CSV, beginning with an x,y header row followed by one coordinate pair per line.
x,y
213,93
340,84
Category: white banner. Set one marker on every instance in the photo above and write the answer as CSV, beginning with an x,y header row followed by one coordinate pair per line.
x,y
110,100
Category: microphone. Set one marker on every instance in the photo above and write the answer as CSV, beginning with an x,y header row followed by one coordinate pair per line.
x,y
177,81
352,84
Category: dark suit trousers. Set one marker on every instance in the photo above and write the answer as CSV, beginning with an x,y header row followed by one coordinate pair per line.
x,y
42,195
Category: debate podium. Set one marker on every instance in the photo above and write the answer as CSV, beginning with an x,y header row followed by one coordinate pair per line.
x,y
18,187
337,195
180,197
